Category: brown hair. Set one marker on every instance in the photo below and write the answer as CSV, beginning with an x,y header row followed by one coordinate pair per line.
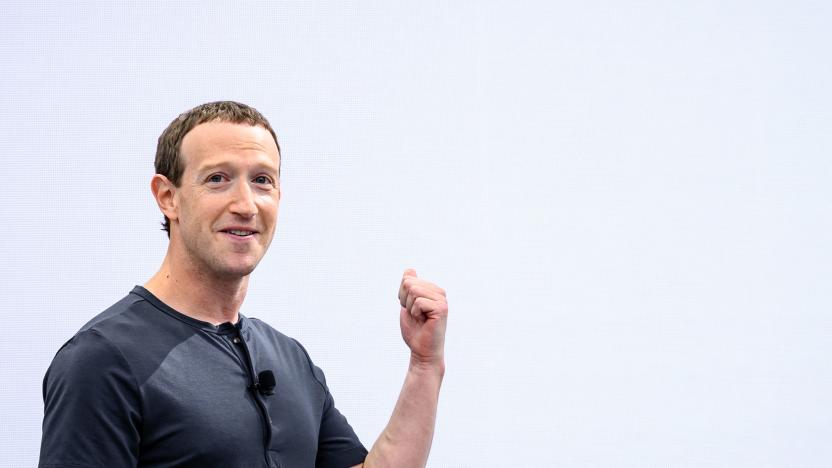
x,y
168,151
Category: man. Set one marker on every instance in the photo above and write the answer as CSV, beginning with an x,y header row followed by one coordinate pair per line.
x,y
174,376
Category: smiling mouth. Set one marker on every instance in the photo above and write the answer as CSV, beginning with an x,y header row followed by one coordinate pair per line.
x,y
239,233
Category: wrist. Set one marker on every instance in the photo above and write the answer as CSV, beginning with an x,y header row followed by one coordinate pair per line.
x,y
434,367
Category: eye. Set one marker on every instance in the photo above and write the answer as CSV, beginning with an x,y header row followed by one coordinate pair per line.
x,y
262,180
215,178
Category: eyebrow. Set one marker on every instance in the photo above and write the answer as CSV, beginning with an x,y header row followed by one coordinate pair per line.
x,y
209,167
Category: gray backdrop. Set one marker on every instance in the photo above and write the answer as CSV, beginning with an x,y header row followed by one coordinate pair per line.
x,y
628,203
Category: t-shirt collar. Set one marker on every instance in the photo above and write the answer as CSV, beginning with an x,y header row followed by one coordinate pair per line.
x,y
222,329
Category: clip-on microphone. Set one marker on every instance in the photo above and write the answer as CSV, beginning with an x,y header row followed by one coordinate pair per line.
x,y
265,382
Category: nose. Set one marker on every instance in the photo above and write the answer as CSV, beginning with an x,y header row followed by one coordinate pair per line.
x,y
243,202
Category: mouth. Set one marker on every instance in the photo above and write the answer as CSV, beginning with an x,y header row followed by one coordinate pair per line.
x,y
240,233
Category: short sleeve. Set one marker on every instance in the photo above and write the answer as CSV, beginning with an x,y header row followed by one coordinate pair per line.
x,y
338,445
92,412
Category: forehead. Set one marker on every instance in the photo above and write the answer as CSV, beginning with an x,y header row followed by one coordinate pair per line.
x,y
211,141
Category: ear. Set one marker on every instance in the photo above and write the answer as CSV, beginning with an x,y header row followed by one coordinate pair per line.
x,y
163,191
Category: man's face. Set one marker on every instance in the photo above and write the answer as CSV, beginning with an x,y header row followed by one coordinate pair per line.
x,y
227,200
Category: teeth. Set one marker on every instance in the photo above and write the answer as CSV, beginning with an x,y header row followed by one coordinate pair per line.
x,y
240,233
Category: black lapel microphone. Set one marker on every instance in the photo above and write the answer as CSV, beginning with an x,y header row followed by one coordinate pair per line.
x,y
265,382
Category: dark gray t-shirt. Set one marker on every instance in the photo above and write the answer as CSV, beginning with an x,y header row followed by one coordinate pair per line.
x,y
142,385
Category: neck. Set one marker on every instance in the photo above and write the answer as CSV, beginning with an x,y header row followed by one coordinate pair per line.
x,y
191,291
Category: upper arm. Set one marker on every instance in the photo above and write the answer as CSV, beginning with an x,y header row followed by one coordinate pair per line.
x,y
92,409
338,445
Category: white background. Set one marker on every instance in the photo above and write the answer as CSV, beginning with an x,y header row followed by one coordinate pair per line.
x,y
628,203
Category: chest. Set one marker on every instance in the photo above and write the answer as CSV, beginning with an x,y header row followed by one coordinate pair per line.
x,y
199,409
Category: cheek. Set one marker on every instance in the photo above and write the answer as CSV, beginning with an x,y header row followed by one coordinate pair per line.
x,y
199,210
269,207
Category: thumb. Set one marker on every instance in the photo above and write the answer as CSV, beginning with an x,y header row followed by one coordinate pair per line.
x,y
410,272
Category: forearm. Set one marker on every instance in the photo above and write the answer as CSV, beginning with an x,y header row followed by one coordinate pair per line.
x,y
406,440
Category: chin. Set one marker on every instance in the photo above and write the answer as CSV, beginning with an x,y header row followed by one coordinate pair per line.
x,y
239,270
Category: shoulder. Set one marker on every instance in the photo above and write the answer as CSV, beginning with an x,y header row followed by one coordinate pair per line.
x,y
284,343
132,334
95,346
122,309
86,364
289,348
91,354
88,348
121,324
